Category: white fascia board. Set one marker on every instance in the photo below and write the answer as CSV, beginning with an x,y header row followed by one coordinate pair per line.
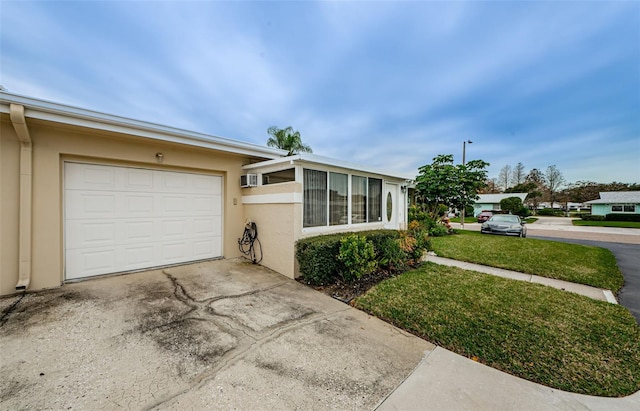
x,y
59,113
327,162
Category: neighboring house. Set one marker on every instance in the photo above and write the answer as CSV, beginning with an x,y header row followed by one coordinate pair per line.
x,y
491,202
87,194
616,202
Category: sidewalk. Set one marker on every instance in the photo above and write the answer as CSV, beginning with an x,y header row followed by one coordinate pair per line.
x,y
593,292
447,381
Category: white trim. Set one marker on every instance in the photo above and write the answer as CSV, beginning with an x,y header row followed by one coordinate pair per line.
x,y
282,198
327,164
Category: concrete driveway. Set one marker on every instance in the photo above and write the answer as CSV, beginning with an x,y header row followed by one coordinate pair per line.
x,y
221,334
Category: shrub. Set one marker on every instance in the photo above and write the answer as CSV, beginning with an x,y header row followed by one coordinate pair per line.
x,y
393,250
523,212
357,256
551,212
317,258
392,255
511,205
438,230
623,217
589,217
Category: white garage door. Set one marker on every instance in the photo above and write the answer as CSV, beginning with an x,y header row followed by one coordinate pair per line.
x,y
121,219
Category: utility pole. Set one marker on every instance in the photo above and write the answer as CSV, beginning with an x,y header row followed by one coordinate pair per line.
x,y
464,153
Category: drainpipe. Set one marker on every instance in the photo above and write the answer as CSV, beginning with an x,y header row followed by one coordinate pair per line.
x,y
16,113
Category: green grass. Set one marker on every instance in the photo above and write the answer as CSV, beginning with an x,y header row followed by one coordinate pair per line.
x,y
621,224
576,263
467,219
556,338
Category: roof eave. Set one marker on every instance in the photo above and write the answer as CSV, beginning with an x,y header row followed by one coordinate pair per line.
x,y
64,114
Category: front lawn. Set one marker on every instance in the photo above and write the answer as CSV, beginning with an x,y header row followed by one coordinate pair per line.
x,y
559,339
576,263
620,224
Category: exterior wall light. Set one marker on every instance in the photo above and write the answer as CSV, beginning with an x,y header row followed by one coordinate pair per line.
x,y
159,157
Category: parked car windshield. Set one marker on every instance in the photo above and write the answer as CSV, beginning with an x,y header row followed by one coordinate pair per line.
x,y
513,219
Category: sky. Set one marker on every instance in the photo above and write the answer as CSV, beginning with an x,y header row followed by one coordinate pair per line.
x,y
380,83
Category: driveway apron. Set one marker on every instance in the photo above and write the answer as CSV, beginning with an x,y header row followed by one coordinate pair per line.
x,y
220,334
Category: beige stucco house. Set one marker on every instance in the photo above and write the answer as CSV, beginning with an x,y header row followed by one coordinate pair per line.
x,y
87,194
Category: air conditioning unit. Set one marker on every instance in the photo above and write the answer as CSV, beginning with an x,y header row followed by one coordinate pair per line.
x,y
248,180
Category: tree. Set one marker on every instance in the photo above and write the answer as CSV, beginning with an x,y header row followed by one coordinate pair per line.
x,y
512,205
443,183
491,187
555,180
287,139
518,175
538,181
504,178
583,191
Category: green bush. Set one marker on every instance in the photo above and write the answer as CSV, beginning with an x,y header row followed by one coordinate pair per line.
x,y
357,256
511,205
438,230
551,212
523,212
623,217
589,217
317,258
391,256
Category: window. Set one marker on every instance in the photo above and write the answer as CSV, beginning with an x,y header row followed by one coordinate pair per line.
x,y
374,210
283,176
315,198
358,199
630,208
326,199
616,208
338,199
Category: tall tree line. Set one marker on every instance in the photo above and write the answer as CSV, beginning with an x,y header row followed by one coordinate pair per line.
x,y
549,185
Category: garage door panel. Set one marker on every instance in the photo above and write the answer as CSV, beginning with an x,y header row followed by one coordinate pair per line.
x,y
169,182
89,262
137,204
91,233
135,179
121,219
89,177
176,229
206,247
138,257
205,185
89,204
135,230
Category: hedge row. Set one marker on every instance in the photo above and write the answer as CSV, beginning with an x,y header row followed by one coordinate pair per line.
x,y
550,212
623,217
318,256
590,217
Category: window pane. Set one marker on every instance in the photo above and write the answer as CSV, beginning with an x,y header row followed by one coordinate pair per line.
x,y
358,199
375,200
629,209
616,208
338,198
276,177
315,198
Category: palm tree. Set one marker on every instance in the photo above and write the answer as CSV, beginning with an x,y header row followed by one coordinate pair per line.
x,y
287,139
